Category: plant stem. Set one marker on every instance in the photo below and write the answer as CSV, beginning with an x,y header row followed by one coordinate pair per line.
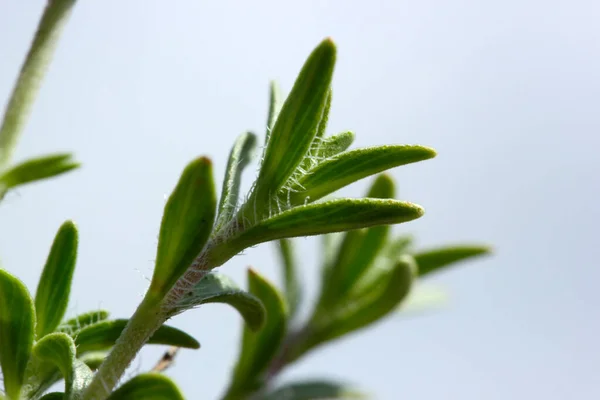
x,y
30,78
145,321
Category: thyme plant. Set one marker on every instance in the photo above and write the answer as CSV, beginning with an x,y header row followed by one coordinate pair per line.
x,y
366,273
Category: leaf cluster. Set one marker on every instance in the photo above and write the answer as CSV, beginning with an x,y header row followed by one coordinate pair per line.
x,y
366,272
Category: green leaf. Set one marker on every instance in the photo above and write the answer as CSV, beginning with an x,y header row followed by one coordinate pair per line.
x,y
275,103
313,156
324,117
17,321
103,335
436,259
94,359
316,219
297,124
37,169
218,288
59,349
314,390
397,247
40,375
293,289
259,348
423,299
362,307
149,386
333,145
53,396
348,167
74,325
31,75
358,250
186,225
54,287
239,157
383,187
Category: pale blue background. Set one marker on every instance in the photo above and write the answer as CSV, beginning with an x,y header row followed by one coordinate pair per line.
x,y
508,92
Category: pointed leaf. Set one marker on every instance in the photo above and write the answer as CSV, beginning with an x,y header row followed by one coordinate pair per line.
x,y
186,225
297,123
59,349
314,390
239,157
149,386
54,287
259,348
275,103
103,335
31,75
218,288
17,320
293,289
361,308
316,219
436,259
351,166
37,169
74,325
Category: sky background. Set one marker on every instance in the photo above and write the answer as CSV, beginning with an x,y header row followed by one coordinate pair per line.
x,y
507,92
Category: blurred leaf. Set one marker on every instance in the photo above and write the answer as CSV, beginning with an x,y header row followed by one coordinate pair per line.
x,y
351,166
73,325
102,336
319,218
383,187
436,259
17,321
359,248
297,123
239,157
54,287
314,390
259,348
360,308
53,396
293,289
59,349
218,288
275,103
31,74
329,249
186,225
94,359
37,169
423,299
148,386
397,247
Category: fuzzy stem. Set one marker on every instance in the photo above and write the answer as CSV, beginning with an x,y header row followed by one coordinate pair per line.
x,y
144,322
30,78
